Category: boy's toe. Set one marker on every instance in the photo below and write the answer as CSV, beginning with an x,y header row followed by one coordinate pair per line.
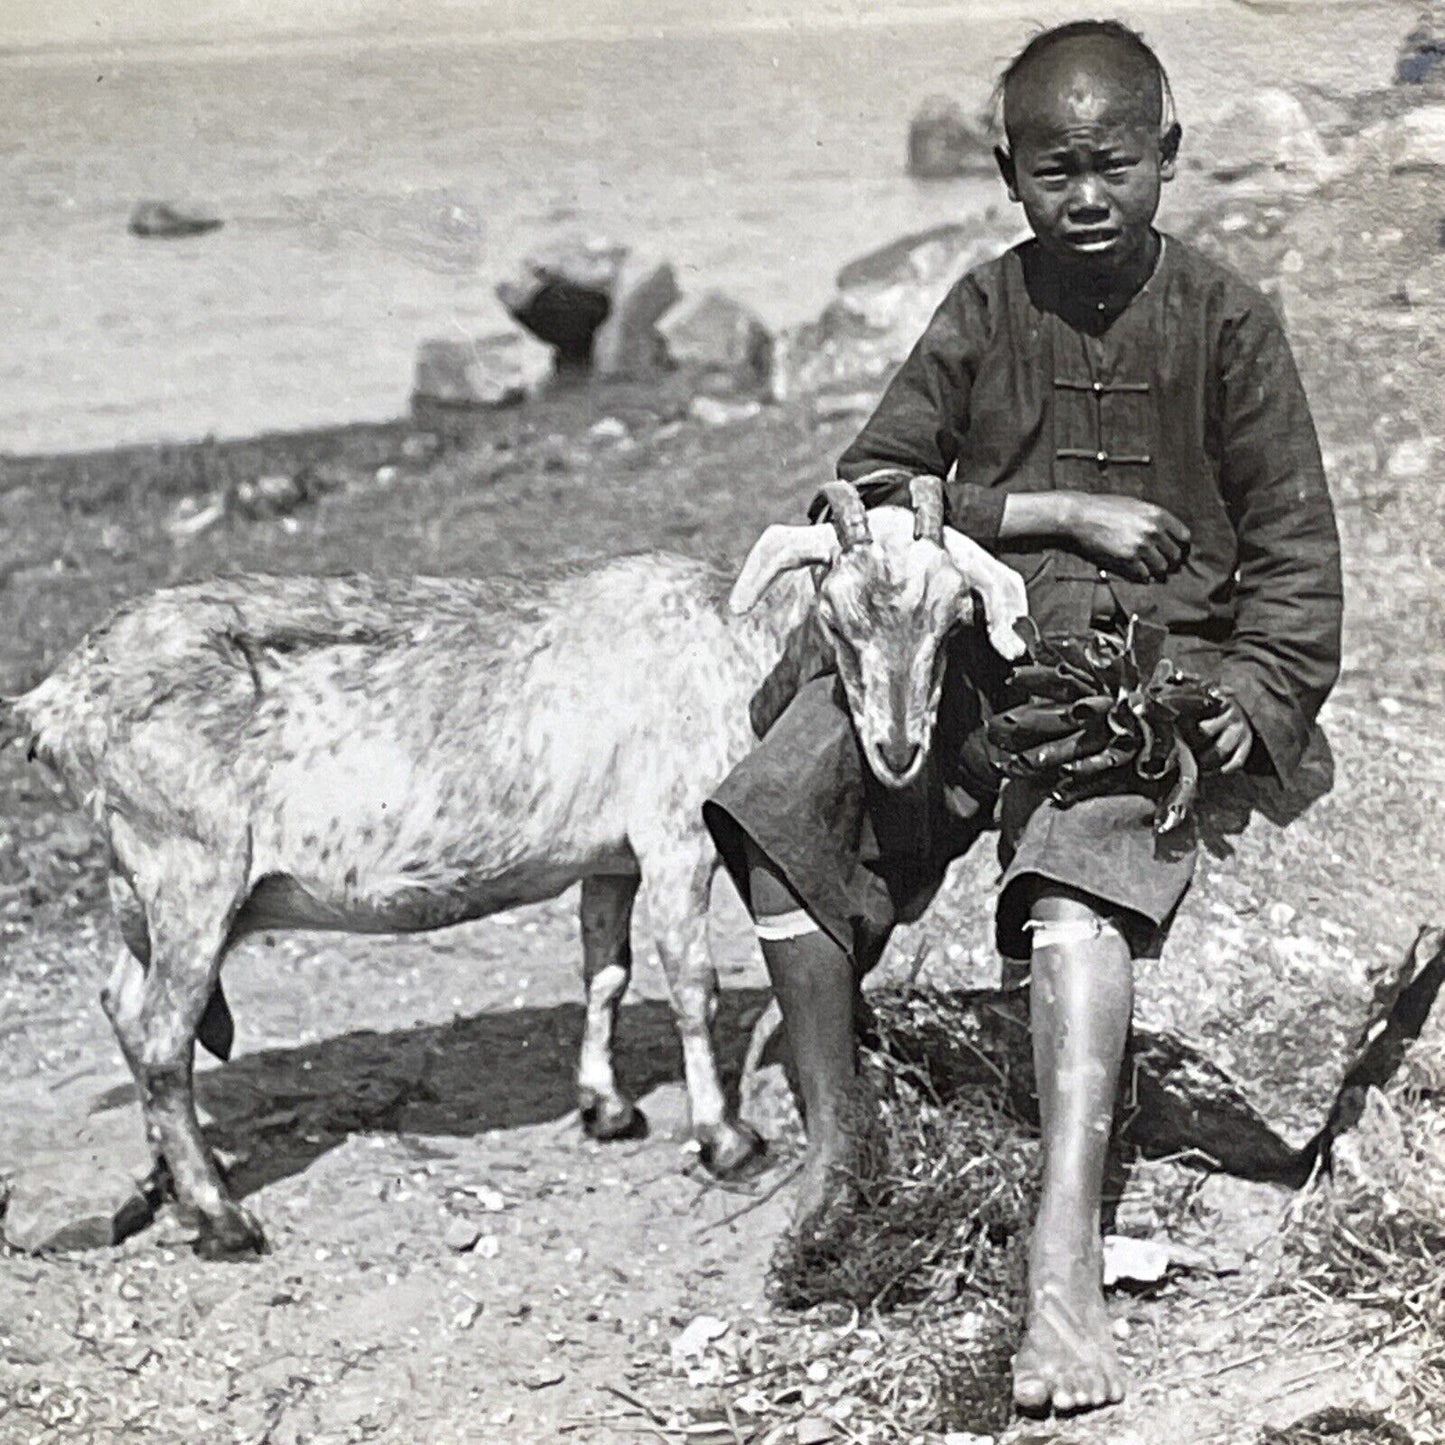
x,y
1031,1390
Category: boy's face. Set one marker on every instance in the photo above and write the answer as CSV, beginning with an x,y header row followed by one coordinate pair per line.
x,y
1086,163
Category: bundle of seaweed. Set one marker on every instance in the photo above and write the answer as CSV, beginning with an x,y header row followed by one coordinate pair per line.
x,y
1104,714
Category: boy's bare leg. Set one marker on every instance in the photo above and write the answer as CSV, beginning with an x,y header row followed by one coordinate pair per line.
x,y
1081,999
813,981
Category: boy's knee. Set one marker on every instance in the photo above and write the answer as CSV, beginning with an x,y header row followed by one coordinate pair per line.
x,y
770,896
1060,917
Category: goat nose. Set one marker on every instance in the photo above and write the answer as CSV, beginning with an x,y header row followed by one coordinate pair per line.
x,y
899,755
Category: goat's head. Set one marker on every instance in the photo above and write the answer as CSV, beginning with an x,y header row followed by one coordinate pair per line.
x,y
897,581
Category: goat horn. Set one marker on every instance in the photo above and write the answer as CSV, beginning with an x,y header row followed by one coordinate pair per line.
x,y
849,516
927,496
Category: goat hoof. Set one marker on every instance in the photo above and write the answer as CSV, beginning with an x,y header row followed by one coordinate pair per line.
x,y
230,1236
733,1151
611,1119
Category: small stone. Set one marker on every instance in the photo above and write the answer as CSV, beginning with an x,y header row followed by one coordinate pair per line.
x,y
488,1246
966,1437
694,1341
1411,459
270,496
817,1371
1137,1261
610,428
1279,915
814,1430
835,405
422,446
68,1202
386,475
71,837
1390,706
192,516
1120,1329
714,412
164,220
461,1235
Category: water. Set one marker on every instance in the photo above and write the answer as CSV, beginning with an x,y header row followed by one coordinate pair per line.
x,y
374,191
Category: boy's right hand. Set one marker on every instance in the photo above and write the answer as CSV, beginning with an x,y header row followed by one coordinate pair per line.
x,y
1135,539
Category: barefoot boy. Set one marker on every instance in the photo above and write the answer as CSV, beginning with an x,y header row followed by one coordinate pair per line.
x,y
1121,420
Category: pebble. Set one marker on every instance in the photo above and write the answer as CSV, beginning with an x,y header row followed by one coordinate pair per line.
x,y
813,1430
461,1235
1280,915
420,446
712,412
1412,458
610,428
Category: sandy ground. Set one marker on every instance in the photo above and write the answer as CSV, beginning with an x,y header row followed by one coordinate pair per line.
x,y
392,1099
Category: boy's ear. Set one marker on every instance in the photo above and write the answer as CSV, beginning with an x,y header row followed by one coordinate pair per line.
x,y
1169,150
1005,163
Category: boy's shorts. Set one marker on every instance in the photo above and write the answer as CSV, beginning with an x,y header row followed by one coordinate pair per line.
x,y
862,857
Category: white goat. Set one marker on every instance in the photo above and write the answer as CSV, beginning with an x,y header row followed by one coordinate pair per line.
x,y
369,755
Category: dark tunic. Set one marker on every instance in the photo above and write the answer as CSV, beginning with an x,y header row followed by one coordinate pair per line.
x,y
1189,398
1186,396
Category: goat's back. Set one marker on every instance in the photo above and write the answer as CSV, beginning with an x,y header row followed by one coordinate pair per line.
x,y
400,711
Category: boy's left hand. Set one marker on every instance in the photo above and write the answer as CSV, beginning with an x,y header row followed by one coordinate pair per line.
x,y
1228,740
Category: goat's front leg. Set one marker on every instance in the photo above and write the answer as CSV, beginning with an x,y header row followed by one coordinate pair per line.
x,y
675,887
607,1113
155,1013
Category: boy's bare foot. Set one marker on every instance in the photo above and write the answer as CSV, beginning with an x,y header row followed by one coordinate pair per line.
x,y
1067,1360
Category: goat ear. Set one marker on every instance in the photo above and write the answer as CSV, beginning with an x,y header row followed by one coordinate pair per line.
x,y
781,548
1005,599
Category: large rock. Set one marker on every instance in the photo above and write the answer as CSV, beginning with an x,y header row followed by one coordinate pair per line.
x,y
944,142
721,344
563,294
884,301
490,371
1294,946
628,342
594,301
1422,55
1264,142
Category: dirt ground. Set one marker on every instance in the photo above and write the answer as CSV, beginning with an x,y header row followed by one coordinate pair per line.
x,y
450,1260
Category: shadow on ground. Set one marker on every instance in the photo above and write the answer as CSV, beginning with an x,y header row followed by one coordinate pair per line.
x,y
275,1112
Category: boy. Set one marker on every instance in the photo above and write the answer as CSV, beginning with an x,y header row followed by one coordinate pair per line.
x,y
1122,422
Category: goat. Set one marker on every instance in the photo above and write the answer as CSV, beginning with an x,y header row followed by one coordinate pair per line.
x,y
363,755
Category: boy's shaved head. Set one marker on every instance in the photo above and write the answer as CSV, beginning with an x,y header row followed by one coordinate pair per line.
x,y
1090,64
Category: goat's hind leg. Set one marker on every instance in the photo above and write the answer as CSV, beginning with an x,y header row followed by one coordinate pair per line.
x,y
607,1113
675,885
188,902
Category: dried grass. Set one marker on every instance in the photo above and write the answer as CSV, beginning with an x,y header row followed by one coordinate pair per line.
x,y
913,1296
1373,1236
